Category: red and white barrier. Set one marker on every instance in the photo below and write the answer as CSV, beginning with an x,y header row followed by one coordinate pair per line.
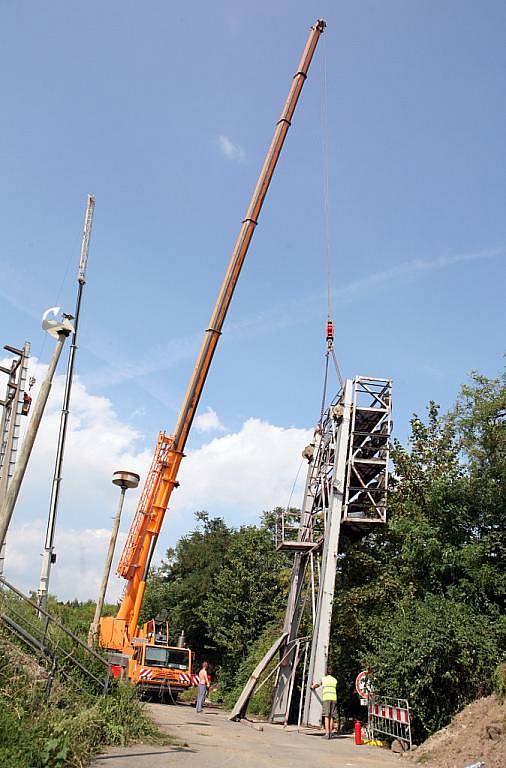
x,y
398,714
390,717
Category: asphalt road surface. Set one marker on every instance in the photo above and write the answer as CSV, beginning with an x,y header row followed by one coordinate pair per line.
x,y
209,740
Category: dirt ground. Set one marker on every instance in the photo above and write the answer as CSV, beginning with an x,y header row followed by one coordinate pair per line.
x,y
209,740
477,733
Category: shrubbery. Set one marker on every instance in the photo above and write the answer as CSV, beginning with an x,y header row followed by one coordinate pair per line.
x,y
66,730
437,653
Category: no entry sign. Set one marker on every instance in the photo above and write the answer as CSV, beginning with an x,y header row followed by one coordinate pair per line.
x,y
363,684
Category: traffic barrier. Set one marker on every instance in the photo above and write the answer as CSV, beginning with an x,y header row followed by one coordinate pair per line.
x,y
390,717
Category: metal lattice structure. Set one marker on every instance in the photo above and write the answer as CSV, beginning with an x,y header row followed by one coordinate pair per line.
x,y
345,496
390,717
367,452
367,462
12,411
14,406
143,516
58,649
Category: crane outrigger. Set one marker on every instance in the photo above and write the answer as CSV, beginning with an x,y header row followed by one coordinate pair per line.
x,y
149,659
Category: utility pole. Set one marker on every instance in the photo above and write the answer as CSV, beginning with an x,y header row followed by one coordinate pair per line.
x,y
60,331
15,405
48,555
124,480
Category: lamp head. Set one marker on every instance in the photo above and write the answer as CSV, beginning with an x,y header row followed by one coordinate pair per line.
x,y
56,327
126,479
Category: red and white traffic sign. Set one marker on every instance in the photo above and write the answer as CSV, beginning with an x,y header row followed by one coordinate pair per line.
x,y
362,684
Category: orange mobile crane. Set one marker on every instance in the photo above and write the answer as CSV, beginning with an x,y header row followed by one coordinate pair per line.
x,y
144,651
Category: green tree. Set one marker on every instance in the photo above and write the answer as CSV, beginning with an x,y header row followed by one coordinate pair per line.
x,y
480,417
247,593
178,590
222,586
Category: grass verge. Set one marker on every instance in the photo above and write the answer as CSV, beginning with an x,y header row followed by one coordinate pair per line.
x,y
67,729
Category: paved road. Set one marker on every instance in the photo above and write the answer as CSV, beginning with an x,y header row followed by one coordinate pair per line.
x,y
214,742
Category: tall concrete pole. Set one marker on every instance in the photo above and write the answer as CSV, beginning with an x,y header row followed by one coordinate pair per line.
x,y
60,331
48,556
124,480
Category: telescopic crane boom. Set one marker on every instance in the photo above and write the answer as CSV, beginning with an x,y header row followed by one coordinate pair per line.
x,y
162,479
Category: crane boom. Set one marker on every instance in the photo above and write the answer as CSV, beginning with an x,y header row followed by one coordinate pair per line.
x,y
136,557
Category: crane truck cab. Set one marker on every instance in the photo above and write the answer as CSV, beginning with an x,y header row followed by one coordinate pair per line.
x,y
149,661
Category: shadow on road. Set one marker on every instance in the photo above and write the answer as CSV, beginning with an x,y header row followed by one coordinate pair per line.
x,y
201,725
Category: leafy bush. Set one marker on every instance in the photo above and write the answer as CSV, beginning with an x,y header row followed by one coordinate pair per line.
x,y
436,653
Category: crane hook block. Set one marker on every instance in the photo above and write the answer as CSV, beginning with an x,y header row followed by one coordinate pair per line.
x,y
330,330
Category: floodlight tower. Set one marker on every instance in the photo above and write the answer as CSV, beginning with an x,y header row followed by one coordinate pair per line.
x,y
48,555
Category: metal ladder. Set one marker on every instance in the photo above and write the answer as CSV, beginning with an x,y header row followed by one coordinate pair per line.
x,y
11,422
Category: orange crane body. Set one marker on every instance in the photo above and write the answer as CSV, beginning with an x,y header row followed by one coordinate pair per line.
x,y
121,633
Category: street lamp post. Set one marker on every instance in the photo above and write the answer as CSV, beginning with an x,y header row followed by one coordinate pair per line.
x,y
124,480
59,330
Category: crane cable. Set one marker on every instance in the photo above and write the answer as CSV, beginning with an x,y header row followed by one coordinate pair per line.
x,y
330,352
325,168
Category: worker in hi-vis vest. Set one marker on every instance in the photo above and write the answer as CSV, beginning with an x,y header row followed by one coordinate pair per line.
x,y
328,685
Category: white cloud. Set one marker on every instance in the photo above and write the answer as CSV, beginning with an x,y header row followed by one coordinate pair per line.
x,y
208,422
98,443
237,475
80,560
243,473
413,267
232,151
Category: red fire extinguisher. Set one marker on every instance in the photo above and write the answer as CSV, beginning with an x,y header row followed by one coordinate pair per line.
x,y
358,732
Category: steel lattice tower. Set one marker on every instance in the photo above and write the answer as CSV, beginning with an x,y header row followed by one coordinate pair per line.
x,y
345,496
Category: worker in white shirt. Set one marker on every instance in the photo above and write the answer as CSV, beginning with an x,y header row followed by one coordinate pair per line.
x,y
203,686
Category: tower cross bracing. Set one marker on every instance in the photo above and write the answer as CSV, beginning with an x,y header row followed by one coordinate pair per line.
x,y
345,495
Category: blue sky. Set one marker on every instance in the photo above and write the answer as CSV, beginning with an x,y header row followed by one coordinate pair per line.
x,y
164,112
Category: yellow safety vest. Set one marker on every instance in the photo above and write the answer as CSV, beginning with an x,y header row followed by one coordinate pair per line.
x,y
329,684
